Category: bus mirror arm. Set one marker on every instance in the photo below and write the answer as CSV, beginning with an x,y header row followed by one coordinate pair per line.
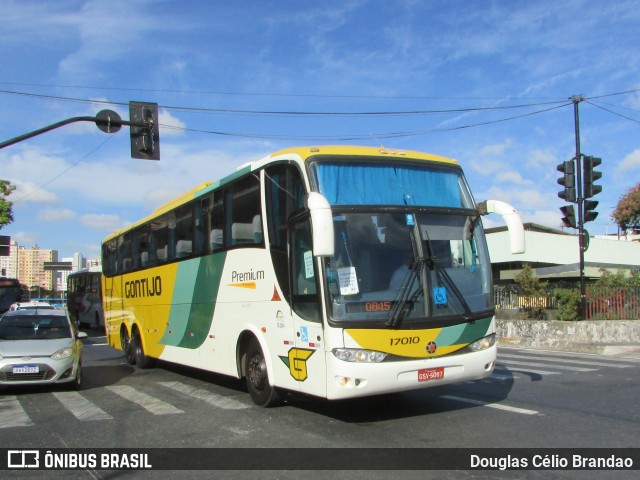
x,y
511,218
321,224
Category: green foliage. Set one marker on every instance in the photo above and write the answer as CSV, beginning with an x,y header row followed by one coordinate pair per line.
x,y
6,207
620,279
532,287
529,282
627,213
568,304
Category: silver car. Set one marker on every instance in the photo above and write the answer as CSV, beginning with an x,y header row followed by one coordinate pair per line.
x,y
39,346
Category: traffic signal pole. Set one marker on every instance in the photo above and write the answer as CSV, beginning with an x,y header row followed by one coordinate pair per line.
x,y
582,242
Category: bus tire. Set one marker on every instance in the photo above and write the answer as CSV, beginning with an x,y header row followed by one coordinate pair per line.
x,y
125,343
142,361
257,377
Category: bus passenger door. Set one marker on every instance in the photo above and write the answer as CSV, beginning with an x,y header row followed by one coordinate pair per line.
x,y
307,360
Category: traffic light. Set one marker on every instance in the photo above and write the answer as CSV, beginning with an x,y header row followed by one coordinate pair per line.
x,y
568,181
590,175
569,218
145,136
589,207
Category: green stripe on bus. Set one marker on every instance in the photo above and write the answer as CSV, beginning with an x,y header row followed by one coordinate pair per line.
x,y
464,333
203,302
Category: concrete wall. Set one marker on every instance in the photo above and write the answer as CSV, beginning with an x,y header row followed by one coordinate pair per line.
x,y
597,336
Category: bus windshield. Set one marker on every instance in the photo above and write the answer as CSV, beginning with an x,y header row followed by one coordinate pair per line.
x,y
408,268
410,183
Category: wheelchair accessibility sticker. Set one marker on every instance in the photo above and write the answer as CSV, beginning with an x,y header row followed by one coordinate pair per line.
x,y
440,296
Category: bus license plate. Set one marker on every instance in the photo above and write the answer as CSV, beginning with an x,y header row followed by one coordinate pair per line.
x,y
25,369
427,374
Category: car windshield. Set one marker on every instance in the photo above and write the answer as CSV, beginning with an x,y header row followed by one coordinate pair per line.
x,y
408,268
31,327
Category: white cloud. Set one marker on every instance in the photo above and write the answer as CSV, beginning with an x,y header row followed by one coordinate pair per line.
x,y
28,192
496,148
24,239
56,215
629,162
512,177
170,126
103,222
549,218
522,199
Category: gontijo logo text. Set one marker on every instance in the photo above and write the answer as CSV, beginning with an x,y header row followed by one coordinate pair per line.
x,y
145,287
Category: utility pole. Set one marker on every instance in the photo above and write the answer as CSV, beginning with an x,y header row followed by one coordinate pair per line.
x,y
583,243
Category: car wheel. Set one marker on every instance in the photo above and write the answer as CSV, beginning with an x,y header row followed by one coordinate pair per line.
x,y
141,359
257,377
76,384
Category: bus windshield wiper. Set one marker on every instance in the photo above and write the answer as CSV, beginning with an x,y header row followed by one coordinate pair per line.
x,y
443,277
407,296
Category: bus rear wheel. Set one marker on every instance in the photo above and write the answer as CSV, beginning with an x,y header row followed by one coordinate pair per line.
x,y
261,391
141,359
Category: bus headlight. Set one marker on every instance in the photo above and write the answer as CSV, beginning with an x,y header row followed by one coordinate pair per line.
x,y
358,355
482,344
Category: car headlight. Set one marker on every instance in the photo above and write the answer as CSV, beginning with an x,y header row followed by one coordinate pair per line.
x,y
358,355
62,353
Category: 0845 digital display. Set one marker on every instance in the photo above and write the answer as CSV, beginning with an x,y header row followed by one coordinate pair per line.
x,y
373,306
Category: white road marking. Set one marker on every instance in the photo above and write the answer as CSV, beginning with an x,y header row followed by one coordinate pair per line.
x,y
209,397
149,403
498,406
12,414
80,407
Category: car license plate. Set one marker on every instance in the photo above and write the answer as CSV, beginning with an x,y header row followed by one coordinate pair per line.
x,y
427,374
26,369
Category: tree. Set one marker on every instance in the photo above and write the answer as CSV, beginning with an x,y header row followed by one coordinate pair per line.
x,y
533,291
6,207
627,213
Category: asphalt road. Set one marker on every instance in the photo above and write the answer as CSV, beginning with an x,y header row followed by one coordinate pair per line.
x,y
534,400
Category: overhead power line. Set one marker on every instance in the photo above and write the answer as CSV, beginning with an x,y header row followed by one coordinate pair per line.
x,y
612,112
289,113
257,94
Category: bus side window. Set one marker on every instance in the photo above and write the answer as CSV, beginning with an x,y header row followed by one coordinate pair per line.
x,y
244,222
202,226
159,240
284,195
304,289
184,231
216,237
125,260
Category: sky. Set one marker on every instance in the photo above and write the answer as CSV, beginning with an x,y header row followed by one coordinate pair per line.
x,y
489,83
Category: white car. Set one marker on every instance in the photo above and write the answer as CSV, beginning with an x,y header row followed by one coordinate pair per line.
x,y
40,346
31,305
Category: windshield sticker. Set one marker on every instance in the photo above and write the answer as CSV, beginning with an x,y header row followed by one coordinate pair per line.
x,y
308,264
440,296
348,281
411,221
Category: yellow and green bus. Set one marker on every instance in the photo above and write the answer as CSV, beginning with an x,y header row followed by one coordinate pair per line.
x,y
333,271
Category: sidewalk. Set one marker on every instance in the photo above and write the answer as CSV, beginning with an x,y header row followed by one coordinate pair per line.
x,y
605,337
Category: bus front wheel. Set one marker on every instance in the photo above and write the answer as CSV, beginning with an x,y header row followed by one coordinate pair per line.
x,y
262,393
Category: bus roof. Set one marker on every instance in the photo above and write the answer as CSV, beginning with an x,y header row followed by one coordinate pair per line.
x,y
354,151
304,153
